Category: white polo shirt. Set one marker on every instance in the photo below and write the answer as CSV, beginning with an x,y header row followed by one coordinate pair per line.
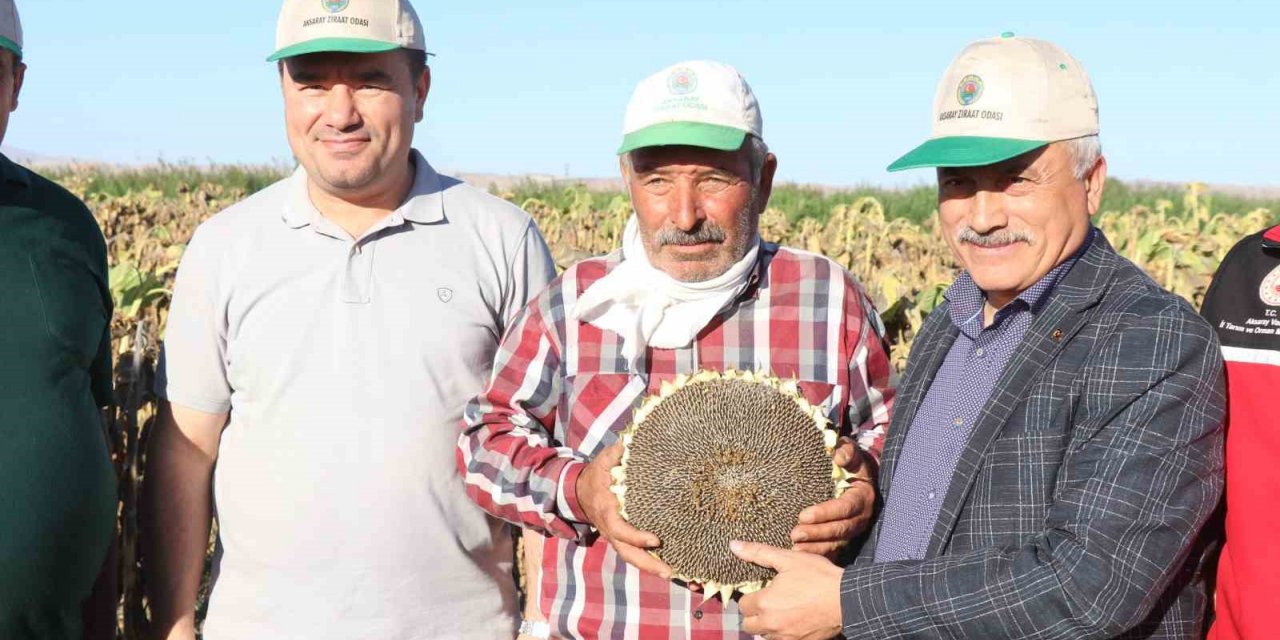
x,y
345,365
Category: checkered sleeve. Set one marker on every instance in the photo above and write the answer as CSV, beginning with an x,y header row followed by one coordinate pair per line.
x,y
1142,476
871,384
508,455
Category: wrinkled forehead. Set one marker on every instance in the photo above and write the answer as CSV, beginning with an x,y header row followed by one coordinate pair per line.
x,y
684,157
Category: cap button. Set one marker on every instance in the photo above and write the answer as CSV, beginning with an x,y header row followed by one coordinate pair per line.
x,y
1007,34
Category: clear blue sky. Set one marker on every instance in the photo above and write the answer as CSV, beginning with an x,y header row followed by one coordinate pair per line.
x,y
1188,90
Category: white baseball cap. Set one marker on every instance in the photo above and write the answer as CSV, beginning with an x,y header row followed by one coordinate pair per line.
x,y
1003,97
698,103
10,28
352,26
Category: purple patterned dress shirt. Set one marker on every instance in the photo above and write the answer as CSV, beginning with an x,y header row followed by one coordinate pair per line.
x,y
941,427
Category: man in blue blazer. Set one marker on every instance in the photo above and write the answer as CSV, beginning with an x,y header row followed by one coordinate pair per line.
x,y
1056,446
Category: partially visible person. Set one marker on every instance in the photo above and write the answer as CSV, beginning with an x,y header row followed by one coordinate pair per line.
x,y
693,287
1056,448
1243,304
324,337
58,488
533,623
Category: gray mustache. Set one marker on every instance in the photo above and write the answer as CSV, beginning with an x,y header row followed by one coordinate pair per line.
x,y
706,232
995,238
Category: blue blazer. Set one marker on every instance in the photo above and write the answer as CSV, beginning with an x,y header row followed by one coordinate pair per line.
x,y
1077,505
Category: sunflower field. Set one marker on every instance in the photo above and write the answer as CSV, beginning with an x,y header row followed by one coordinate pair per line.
x,y
890,242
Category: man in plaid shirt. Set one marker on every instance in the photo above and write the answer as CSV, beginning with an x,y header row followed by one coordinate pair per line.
x,y
692,288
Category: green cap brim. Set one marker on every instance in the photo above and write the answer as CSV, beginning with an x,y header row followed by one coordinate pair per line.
x,y
693,134
964,151
324,45
12,46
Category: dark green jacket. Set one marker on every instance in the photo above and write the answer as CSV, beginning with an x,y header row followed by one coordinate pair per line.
x,y
57,488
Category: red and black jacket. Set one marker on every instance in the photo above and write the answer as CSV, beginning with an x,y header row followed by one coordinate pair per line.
x,y
1243,303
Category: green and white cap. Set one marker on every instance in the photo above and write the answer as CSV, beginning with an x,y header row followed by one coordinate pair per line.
x,y
352,26
697,103
10,28
1003,97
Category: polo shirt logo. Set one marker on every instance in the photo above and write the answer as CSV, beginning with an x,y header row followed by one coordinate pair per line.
x,y
1269,291
445,294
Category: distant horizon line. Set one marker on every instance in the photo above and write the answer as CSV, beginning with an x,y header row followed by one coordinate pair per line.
x,y
592,183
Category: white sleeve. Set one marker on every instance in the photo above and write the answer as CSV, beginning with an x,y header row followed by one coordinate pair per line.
x,y
531,269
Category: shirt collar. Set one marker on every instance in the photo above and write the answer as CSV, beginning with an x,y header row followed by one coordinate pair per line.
x,y
424,204
12,172
757,277
966,299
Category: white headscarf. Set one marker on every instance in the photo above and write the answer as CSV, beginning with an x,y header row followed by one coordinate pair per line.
x,y
647,307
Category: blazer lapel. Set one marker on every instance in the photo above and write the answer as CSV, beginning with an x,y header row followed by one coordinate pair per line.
x,y
1057,323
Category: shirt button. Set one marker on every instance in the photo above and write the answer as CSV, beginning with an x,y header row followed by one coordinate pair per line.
x,y
980,352
959,422
697,614
931,495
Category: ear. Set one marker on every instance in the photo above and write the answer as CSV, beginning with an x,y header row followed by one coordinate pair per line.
x,y
19,74
422,86
767,172
1093,184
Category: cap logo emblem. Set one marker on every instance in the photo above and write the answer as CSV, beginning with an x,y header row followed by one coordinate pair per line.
x,y
1270,289
335,6
969,91
445,294
682,81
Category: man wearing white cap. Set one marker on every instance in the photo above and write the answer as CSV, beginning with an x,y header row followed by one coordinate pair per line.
x,y
59,488
1057,447
324,337
692,288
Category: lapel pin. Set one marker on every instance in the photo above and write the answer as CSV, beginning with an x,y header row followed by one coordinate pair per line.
x,y
1057,335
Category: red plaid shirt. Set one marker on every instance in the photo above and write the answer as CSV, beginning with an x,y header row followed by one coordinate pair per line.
x,y
561,392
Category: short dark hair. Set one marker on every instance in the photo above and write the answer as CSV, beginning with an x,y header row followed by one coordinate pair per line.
x,y
14,60
417,61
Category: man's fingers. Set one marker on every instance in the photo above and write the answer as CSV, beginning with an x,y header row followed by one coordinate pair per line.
x,y
597,501
825,549
838,531
845,453
760,554
616,528
751,625
749,605
842,508
611,456
641,560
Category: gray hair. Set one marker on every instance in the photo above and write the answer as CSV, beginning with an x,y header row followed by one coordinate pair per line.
x,y
1085,152
758,153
